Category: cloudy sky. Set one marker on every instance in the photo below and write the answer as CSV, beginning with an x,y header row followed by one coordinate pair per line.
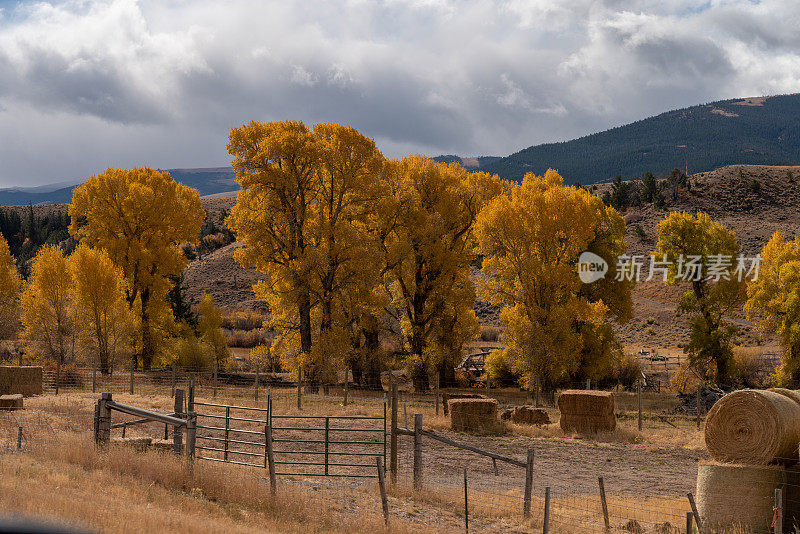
x,y
88,84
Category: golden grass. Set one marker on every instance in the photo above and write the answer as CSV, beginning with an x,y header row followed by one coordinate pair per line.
x,y
118,490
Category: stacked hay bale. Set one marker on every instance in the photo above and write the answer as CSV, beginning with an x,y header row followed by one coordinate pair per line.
x,y
752,435
587,411
23,380
473,415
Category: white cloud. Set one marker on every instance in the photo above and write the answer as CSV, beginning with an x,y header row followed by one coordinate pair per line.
x,y
161,82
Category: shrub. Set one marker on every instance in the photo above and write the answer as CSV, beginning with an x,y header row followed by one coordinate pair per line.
x,y
491,333
246,340
628,370
755,186
243,321
191,354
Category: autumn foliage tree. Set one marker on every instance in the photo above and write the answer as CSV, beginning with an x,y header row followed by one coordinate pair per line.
x,y
428,246
531,239
104,323
211,330
304,214
48,317
9,291
774,300
139,217
695,247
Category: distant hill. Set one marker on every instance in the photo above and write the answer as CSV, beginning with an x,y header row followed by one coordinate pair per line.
x,y
757,131
473,163
208,181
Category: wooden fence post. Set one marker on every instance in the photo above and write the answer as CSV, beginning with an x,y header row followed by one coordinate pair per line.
x,y
488,382
216,368
133,366
546,520
104,419
270,458
588,383
689,523
639,401
526,504
174,380
438,376
19,438
695,513
778,511
417,451
466,503
177,432
299,387
94,374
445,407
603,502
382,487
190,400
393,435
346,376
255,392
191,434
405,413
58,374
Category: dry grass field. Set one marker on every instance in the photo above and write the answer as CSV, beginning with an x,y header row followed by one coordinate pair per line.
x,y
118,489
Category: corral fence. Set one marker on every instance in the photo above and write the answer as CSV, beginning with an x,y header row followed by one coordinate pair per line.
x,y
305,445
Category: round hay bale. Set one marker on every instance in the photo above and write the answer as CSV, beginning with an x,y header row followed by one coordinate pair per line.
x,y
473,415
792,394
731,495
753,427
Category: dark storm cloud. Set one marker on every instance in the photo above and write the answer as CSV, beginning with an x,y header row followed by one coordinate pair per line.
x,y
85,84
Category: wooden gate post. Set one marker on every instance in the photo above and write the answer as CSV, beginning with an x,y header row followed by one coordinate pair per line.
x,y
417,451
526,504
689,528
177,432
190,400
393,436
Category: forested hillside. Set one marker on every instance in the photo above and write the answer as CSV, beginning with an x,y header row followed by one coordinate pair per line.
x,y
762,131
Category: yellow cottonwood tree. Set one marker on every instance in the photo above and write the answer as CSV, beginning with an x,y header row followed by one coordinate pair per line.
x,y
211,330
47,314
427,248
692,244
104,322
774,299
139,217
305,214
275,165
9,291
531,239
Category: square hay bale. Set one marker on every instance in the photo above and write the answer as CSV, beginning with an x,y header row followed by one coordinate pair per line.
x,y
25,380
11,402
585,402
473,415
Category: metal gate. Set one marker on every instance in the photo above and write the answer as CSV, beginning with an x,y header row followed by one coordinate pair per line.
x,y
305,445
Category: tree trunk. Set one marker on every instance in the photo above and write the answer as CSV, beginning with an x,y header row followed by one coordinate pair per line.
x,y
148,345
